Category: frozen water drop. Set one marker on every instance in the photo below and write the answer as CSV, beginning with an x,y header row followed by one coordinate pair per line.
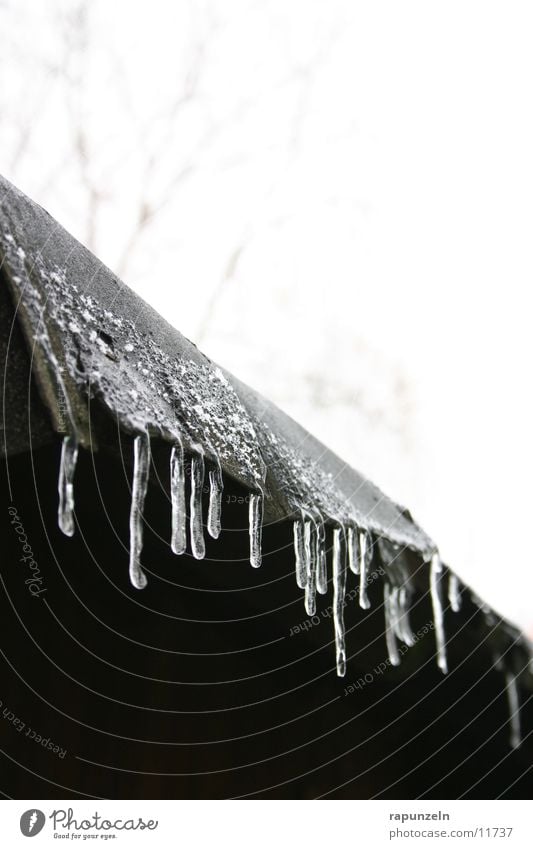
x,y
256,528
214,512
353,551
178,541
454,595
196,514
514,710
339,590
364,554
67,468
390,635
438,615
141,469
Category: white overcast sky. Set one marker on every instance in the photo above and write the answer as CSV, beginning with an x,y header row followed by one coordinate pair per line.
x,y
344,211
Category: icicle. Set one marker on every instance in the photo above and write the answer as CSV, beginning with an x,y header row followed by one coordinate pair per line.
x,y
364,546
321,568
514,710
141,470
67,467
69,448
339,589
310,566
390,636
178,541
216,486
394,611
405,627
454,596
353,551
438,616
256,527
196,515
301,575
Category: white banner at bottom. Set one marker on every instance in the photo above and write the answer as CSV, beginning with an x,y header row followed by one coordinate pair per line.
x,y
266,824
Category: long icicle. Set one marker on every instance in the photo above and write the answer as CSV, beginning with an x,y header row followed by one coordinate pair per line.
x,y
299,560
514,710
454,595
364,555
438,614
216,486
256,528
196,514
178,541
67,467
321,567
339,590
353,551
310,565
141,470
390,635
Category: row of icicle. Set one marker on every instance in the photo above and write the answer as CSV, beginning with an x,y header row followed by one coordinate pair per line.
x,y
178,539
351,550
